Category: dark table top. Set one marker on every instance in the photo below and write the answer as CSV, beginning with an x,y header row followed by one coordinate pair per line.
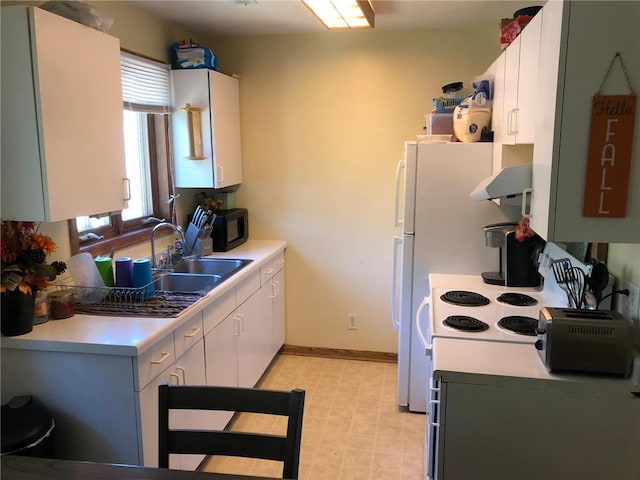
x,y
15,467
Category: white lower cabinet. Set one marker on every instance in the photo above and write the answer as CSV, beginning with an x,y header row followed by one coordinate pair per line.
x,y
239,344
187,369
221,362
272,294
253,341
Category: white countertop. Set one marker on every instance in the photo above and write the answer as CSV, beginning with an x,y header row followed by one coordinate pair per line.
x,y
133,335
497,363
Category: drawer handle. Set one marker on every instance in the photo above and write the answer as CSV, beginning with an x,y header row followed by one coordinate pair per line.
x,y
432,386
184,375
176,376
431,422
236,326
194,332
268,271
163,357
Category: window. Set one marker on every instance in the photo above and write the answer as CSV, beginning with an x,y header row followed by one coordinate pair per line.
x,y
146,100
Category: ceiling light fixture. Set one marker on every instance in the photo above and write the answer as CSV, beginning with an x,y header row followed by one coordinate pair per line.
x,y
343,14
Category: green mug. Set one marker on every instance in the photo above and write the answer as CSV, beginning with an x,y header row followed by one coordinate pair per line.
x,y
105,267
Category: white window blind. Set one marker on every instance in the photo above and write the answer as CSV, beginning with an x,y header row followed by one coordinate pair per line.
x,y
145,84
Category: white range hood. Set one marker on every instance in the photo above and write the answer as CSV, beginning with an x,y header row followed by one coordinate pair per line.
x,y
507,182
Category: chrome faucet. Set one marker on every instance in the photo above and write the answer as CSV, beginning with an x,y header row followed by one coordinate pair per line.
x,y
176,229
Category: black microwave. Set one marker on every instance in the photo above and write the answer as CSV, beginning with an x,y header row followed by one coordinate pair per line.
x,y
230,229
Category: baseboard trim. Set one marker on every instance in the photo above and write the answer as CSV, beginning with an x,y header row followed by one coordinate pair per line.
x,y
340,353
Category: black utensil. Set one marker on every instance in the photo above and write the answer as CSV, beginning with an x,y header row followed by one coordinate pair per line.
x,y
598,280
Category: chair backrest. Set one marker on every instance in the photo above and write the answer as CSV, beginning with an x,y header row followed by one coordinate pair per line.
x,y
230,443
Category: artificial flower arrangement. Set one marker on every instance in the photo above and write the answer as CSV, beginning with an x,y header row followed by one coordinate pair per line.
x,y
24,252
525,232
209,203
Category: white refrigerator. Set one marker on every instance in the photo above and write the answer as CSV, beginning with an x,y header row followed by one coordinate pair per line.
x,y
440,230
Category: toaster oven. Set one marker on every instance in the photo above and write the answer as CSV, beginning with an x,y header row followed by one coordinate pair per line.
x,y
593,341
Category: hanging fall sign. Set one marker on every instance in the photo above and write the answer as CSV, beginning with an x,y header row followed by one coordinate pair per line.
x,y
609,158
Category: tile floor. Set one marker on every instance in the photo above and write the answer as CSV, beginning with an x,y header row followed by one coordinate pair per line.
x,y
352,427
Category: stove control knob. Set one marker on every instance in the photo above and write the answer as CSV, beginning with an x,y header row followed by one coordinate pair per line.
x,y
539,344
541,331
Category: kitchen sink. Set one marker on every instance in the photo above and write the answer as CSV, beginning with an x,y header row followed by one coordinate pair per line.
x,y
185,282
224,267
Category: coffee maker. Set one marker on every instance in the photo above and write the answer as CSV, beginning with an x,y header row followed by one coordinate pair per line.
x,y
516,265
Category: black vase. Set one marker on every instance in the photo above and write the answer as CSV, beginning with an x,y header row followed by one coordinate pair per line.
x,y
17,313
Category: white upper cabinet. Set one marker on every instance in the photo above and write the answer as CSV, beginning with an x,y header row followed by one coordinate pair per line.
x,y
578,42
515,87
219,163
62,129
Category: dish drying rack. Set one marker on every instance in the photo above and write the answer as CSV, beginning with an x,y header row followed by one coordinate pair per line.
x,y
130,302
110,295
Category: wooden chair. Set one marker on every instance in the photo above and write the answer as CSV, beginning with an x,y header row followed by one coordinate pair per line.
x,y
230,443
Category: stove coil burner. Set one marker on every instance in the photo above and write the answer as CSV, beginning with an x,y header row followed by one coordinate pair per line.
x,y
519,324
517,299
468,324
464,298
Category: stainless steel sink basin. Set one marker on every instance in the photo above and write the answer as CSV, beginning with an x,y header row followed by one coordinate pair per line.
x,y
184,282
225,267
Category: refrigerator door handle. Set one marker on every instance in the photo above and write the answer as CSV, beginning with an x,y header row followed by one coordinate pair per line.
x,y
423,339
398,222
397,242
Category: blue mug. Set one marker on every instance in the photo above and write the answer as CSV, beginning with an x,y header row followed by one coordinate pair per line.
x,y
142,276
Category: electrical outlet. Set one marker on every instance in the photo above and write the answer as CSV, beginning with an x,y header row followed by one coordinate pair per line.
x,y
352,321
629,303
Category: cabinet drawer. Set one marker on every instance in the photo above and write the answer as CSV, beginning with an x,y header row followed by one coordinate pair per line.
x,y
188,334
152,362
248,287
218,311
270,269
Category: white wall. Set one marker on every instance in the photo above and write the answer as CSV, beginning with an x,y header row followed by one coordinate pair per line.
x,y
624,263
324,117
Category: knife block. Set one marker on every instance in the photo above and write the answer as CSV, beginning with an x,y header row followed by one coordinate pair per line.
x,y
203,247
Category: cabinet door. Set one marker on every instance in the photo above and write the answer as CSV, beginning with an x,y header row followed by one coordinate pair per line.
x,y
62,124
515,87
268,295
278,311
544,151
190,367
225,119
217,96
528,81
221,364
510,107
499,88
253,342
148,415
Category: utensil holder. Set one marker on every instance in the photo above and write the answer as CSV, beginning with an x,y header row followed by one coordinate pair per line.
x,y
203,247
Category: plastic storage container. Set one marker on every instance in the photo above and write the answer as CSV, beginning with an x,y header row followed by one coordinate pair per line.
x,y
26,428
439,123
